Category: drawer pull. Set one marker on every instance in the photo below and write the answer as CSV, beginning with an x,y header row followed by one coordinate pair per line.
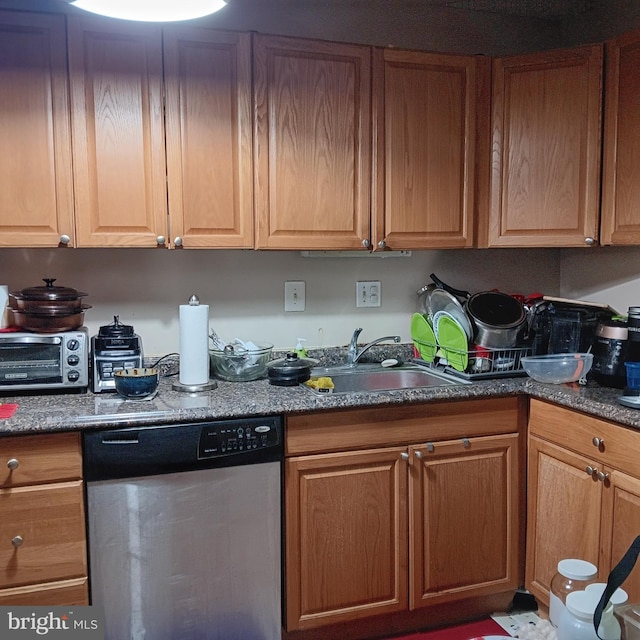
x,y
465,443
598,442
602,476
430,447
591,471
13,464
17,541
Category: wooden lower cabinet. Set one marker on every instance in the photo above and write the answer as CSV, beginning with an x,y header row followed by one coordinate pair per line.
x,y
43,555
583,494
430,519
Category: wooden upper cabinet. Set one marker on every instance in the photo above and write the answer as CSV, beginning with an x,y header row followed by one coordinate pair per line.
x,y
545,182
313,144
621,170
118,132
36,196
209,137
427,115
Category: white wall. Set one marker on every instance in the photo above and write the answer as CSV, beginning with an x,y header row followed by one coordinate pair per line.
x,y
245,289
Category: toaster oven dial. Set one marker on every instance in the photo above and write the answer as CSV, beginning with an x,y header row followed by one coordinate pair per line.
x,y
73,360
73,344
73,375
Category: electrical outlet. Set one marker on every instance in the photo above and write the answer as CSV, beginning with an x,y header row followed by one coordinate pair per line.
x,y
368,293
294,296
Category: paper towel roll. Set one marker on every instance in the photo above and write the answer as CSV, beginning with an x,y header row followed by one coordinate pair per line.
x,y
4,301
194,351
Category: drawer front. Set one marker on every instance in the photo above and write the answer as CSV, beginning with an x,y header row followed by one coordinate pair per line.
x,y
605,442
36,459
52,594
42,534
351,429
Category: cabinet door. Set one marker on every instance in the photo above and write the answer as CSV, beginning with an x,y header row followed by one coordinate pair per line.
x,y
312,136
620,526
621,170
425,122
546,149
464,520
346,536
564,511
209,137
118,133
36,197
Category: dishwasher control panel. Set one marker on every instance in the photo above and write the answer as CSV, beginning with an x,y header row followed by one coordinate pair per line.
x,y
227,439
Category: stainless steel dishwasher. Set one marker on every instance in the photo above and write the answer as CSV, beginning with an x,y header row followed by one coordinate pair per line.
x,y
184,527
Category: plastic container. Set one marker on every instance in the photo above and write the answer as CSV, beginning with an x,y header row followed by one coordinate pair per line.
x,y
629,617
573,575
619,598
576,621
633,375
558,368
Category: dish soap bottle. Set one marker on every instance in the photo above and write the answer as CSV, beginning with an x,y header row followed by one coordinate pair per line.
x,y
300,351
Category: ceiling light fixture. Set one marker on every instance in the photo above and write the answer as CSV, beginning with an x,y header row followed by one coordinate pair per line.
x,y
151,10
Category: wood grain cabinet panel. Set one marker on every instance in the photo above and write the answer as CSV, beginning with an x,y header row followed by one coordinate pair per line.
x,y
118,130
43,550
207,77
546,118
583,494
432,520
313,144
36,193
621,169
427,117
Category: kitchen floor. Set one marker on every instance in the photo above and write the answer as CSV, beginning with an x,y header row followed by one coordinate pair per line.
x,y
460,632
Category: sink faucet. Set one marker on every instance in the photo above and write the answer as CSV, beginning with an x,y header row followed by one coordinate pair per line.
x,y
353,355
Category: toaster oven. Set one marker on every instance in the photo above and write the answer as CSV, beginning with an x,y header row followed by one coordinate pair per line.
x,y
38,361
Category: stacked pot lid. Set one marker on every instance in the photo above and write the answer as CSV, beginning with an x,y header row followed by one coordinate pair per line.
x,y
48,308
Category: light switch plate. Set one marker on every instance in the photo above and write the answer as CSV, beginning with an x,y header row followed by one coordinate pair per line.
x,y
294,296
368,293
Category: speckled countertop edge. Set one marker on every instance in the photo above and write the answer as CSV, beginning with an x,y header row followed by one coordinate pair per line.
x,y
69,412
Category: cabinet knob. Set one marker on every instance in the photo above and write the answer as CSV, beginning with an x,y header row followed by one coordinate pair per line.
x,y
598,442
65,239
419,455
382,244
602,476
160,241
589,241
404,455
17,541
13,463
365,243
591,471
177,241
465,443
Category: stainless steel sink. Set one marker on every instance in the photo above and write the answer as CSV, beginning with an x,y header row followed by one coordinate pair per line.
x,y
377,378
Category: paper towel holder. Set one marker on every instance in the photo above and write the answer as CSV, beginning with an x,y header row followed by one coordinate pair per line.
x,y
194,388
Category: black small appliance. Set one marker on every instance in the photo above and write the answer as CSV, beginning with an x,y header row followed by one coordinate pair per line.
x,y
116,347
609,348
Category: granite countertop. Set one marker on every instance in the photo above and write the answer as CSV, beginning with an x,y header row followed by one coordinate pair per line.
x,y
64,412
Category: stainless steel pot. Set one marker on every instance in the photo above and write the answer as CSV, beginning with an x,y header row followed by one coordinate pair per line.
x,y
498,318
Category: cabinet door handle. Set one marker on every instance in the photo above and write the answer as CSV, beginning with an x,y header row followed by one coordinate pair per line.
x,y
65,239
17,541
382,244
160,240
602,476
589,241
14,463
177,241
591,471
419,455
404,455
598,442
365,243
